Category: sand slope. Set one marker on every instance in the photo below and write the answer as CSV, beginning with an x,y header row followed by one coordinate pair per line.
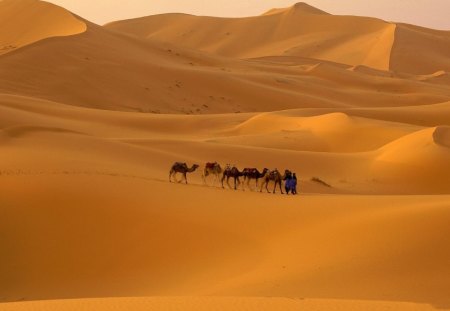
x,y
122,73
304,31
202,303
296,31
420,50
47,21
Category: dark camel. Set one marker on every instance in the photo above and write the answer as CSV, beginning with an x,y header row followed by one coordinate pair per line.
x,y
252,173
181,168
231,172
276,177
212,169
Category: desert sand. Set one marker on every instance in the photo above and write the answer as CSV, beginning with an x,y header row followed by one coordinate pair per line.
x,y
92,118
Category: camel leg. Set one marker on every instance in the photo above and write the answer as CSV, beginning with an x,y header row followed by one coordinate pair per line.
x,y
170,176
228,182
204,175
185,178
223,177
281,188
267,187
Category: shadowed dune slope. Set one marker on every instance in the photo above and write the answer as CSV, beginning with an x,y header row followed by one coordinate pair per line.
x,y
420,50
23,22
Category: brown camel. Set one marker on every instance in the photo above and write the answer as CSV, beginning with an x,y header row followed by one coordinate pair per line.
x,y
231,172
252,173
181,168
212,169
276,177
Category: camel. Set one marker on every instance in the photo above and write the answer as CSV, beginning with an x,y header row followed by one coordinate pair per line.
x,y
252,173
231,172
276,177
212,169
182,168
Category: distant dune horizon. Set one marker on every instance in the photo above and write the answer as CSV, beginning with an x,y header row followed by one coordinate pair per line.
x,y
431,14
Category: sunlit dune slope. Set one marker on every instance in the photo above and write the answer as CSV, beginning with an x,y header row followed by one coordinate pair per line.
x,y
315,146
106,70
302,30
422,156
299,30
23,22
214,303
104,236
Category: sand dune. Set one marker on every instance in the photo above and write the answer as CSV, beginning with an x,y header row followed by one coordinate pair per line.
x,y
138,238
119,74
211,303
302,30
405,159
420,50
296,31
92,118
319,144
47,21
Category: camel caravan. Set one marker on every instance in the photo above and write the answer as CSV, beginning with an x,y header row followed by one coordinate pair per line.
x,y
224,174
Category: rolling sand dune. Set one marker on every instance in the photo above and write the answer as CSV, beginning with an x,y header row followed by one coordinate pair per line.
x,y
302,30
296,31
47,21
119,74
92,118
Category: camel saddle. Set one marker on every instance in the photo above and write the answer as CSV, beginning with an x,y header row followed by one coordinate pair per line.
x,y
211,165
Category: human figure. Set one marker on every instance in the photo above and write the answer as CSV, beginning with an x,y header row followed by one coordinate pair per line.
x,y
288,183
294,184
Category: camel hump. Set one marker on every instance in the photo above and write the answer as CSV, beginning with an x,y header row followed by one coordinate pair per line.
x,y
250,170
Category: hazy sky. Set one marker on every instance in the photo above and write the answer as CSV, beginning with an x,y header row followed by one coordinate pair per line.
x,y
429,13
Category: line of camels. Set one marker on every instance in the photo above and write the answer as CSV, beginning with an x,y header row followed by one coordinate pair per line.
x,y
214,169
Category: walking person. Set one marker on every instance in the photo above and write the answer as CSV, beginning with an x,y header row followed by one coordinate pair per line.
x,y
294,184
288,183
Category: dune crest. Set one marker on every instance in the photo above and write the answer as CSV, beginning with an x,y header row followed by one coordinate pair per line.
x,y
421,156
302,30
300,7
33,21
